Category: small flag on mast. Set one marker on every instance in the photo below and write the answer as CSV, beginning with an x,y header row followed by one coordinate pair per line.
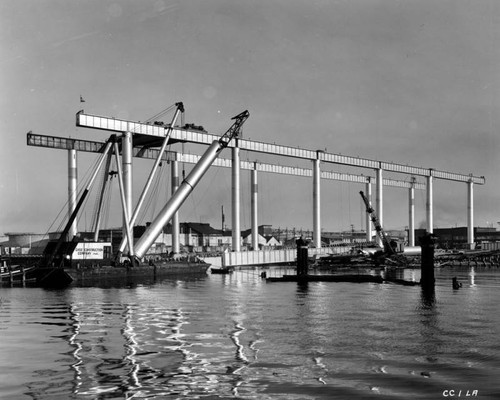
x,y
82,100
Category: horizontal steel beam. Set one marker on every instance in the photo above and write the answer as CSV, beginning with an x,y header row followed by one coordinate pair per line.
x,y
202,137
55,142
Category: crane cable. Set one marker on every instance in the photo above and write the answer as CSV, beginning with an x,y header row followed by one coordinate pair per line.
x,y
108,196
151,197
182,150
102,185
106,205
65,216
161,113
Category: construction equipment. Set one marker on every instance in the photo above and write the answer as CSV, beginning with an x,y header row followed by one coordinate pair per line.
x,y
388,250
133,217
187,186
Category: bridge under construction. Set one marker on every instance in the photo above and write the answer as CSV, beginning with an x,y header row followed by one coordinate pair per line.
x,y
143,139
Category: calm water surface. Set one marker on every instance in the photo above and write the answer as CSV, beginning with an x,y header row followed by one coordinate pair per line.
x,y
222,337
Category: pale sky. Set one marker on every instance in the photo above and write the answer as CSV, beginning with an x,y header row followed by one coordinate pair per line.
x,y
414,82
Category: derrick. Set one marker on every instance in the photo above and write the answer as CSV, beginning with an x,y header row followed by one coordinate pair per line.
x,y
388,250
187,186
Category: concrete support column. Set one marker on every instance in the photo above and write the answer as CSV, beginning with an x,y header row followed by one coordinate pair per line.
x,y
317,203
470,214
254,190
368,194
411,215
174,169
127,175
235,198
72,190
429,204
380,202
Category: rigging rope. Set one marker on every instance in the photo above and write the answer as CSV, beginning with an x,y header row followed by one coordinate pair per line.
x,y
151,196
101,185
106,205
64,208
204,195
161,113
154,194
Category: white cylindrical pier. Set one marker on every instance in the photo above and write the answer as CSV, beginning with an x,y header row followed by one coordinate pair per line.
x,y
429,205
411,216
316,204
254,190
368,189
174,169
72,190
235,198
470,214
380,202
127,153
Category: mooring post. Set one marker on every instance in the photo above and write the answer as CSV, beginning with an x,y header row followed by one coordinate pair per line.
x,y
302,257
427,260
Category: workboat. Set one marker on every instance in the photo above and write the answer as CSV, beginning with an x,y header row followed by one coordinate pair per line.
x,y
222,270
64,275
35,274
53,270
183,267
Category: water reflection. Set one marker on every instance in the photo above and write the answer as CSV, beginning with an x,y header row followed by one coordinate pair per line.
x,y
76,346
302,288
243,337
131,347
115,349
430,337
472,277
406,274
427,298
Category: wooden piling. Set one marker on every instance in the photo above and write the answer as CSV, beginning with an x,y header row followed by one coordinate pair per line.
x,y
427,279
302,261
302,257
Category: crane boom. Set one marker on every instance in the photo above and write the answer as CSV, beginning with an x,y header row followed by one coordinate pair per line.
x,y
54,252
133,217
399,259
187,186
378,227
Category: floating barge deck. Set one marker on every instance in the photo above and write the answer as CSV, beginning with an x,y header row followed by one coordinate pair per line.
x,y
327,278
354,278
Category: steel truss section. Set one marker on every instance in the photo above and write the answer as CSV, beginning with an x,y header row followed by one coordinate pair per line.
x,y
55,142
184,135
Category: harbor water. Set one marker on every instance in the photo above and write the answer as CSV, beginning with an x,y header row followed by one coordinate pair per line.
x,y
238,336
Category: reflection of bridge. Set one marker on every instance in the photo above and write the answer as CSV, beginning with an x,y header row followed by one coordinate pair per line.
x,y
139,138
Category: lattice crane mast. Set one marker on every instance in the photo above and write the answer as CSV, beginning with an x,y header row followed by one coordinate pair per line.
x,y
378,227
389,251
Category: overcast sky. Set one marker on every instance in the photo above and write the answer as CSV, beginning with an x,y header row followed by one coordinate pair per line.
x,y
414,82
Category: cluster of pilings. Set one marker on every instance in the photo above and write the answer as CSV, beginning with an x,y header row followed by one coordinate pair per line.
x,y
477,259
11,276
427,280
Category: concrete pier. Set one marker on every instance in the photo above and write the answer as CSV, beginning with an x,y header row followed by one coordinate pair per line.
x,y
72,190
235,198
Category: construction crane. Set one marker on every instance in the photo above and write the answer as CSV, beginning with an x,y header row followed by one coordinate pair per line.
x,y
187,186
388,249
